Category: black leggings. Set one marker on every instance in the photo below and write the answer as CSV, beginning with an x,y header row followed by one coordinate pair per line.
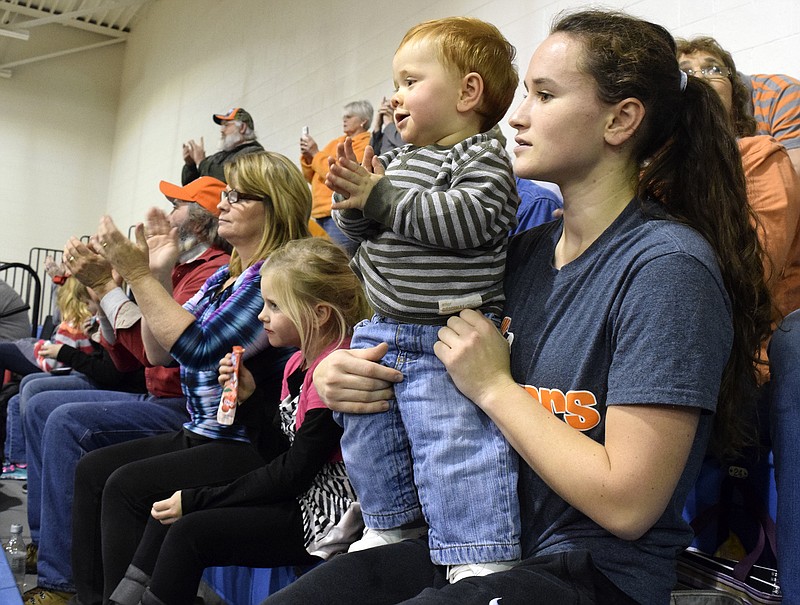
x,y
255,536
11,358
115,487
403,573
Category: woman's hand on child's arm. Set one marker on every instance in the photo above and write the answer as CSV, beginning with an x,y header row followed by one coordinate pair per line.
x,y
354,381
247,383
350,179
168,511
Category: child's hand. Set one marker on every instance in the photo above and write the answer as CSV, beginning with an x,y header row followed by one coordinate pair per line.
x,y
350,179
247,384
168,511
49,350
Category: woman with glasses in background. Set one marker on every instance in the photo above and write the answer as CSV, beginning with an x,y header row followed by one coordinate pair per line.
x,y
773,191
267,203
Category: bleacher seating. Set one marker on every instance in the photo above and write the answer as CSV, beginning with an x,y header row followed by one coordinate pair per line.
x,y
247,585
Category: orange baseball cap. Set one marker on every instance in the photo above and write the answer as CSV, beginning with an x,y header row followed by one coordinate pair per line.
x,y
204,191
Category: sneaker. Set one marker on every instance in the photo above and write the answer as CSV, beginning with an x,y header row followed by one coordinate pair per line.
x,y
373,538
471,570
24,488
44,596
8,467
31,558
16,473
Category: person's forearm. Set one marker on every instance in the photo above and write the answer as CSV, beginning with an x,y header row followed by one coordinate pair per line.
x,y
603,481
165,319
156,354
101,289
106,329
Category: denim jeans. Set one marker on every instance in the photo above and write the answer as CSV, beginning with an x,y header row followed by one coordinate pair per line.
x,y
30,385
784,365
433,437
61,427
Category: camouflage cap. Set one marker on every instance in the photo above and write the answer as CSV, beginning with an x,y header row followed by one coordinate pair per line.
x,y
234,113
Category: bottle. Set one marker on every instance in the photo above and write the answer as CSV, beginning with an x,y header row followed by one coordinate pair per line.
x,y
230,394
15,553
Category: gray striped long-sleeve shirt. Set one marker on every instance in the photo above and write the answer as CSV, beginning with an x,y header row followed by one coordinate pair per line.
x,y
434,233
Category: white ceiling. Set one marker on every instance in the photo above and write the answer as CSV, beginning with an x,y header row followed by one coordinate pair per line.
x,y
95,23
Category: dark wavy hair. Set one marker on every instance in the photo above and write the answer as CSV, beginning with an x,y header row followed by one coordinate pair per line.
x,y
690,164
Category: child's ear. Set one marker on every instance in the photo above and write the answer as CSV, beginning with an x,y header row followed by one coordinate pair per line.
x,y
471,91
323,313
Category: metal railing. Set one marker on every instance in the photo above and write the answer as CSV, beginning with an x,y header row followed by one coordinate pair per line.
x,y
24,280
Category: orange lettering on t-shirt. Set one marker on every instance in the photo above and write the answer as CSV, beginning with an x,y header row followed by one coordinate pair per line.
x,y
532,391
553,400
577,408
581,413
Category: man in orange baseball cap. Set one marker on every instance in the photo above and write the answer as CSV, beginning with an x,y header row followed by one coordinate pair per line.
x,y
237,137
194,213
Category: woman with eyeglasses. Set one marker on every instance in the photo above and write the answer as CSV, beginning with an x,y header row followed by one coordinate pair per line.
x,y
773,187
773,191
267,203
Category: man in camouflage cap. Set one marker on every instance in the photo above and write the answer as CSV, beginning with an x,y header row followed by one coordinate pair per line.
x,y
237,137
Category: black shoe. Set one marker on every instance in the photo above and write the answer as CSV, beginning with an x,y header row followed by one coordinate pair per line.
x,y
24,488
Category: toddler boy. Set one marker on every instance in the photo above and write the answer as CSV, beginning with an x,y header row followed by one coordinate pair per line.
x,y
432,218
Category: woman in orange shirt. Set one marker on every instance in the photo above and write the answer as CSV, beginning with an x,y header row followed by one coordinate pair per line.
x,y
356,120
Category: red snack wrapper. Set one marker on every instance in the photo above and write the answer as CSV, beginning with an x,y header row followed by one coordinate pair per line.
x,y
226,411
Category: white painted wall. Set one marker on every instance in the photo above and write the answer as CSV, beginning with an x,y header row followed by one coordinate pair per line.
x,y
57,121
290,64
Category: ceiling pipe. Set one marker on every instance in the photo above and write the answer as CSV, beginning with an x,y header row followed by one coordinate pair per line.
x,y
19,34
61,53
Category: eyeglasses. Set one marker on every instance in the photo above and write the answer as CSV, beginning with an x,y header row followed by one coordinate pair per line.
x,y
710,73
234,197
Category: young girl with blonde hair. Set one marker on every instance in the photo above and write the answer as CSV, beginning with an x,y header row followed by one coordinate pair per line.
x,y
73,301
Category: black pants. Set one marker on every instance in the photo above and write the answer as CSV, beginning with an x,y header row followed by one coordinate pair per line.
x,y
11,358
403,573
255,536
115,487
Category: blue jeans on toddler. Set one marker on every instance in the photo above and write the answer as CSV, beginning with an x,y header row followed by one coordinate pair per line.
x,y
434,438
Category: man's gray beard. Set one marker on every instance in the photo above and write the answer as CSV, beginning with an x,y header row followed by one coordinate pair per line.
x,y
186,238
232,140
